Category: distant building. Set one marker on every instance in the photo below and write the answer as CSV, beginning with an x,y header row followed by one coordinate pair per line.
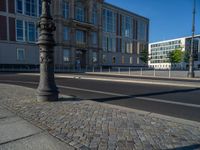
x,y
89,33
159,53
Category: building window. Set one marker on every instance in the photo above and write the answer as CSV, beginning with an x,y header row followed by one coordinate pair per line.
x,y
31,7
104,58
80,36
131,60
20,54
94,38
80,12
26,31
109,21
109,43
66,33
123,61
31,32
127,27
94,57
65,9
94,15
20,30
142,31
66,55
19,6
40,7
113,59
129,47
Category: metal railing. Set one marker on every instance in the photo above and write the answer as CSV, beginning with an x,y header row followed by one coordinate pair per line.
x,y
124,71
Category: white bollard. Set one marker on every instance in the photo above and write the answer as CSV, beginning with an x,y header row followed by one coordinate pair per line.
x,y
119,70
129,71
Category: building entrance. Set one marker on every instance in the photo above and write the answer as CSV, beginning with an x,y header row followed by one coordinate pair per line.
x,y
80,59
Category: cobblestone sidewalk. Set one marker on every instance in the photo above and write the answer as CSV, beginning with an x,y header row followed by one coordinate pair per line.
x,y
92,125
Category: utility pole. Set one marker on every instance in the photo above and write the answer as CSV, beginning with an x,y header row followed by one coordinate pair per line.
x,y
47,90
191,73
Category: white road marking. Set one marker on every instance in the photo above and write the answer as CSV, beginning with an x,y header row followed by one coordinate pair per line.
x,y
168,102
115,94
92,91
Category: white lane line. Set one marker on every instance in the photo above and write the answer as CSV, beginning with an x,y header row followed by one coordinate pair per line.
x,y
72,88
117,94
167,102
92,91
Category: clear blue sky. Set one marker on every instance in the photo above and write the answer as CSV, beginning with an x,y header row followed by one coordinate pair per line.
x,y
168,18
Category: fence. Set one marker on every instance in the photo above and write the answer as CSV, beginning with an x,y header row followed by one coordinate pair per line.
x,y
126,71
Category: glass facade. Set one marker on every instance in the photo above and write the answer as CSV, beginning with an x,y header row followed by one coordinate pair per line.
x,y
142,31
109,44
127,27
109,21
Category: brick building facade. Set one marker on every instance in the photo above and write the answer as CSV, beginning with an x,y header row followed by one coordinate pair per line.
x,y
89,33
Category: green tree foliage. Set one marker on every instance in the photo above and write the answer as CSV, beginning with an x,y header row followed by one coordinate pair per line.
x,y
186,56
144,55
176,56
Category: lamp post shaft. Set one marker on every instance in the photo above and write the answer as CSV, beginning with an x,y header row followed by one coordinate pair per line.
x,y
191,73
47,90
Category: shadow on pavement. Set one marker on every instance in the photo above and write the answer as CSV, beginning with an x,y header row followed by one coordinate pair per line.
x,y
191,147
144,95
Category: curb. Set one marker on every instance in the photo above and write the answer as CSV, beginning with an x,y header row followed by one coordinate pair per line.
x,y
109,79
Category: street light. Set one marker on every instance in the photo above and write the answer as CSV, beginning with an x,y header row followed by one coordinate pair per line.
x,y
47,90
191,73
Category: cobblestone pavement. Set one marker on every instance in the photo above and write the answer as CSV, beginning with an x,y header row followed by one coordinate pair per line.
x,y
92,125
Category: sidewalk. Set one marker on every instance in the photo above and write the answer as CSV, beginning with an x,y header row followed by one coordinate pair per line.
x,y
18,134
90,125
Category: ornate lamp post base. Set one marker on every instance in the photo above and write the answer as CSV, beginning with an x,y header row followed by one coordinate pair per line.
x,y
47,95
47,90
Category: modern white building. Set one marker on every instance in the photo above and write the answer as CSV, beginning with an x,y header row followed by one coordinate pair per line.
x,y
159,53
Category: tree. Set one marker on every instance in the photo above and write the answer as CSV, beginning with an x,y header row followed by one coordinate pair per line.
x,y
176,56
144,55
186,56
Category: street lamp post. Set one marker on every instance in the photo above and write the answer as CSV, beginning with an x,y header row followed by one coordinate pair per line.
x,y
47,90
191,73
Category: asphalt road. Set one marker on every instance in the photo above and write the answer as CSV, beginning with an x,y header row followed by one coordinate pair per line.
x,y
181,102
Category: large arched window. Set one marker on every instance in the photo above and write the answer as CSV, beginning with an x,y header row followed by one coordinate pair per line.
x,y
80,11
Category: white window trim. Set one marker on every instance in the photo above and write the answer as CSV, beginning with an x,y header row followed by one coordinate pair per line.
x,y
24,30
20,49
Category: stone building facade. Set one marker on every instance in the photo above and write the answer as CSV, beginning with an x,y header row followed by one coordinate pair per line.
x,y
89,33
